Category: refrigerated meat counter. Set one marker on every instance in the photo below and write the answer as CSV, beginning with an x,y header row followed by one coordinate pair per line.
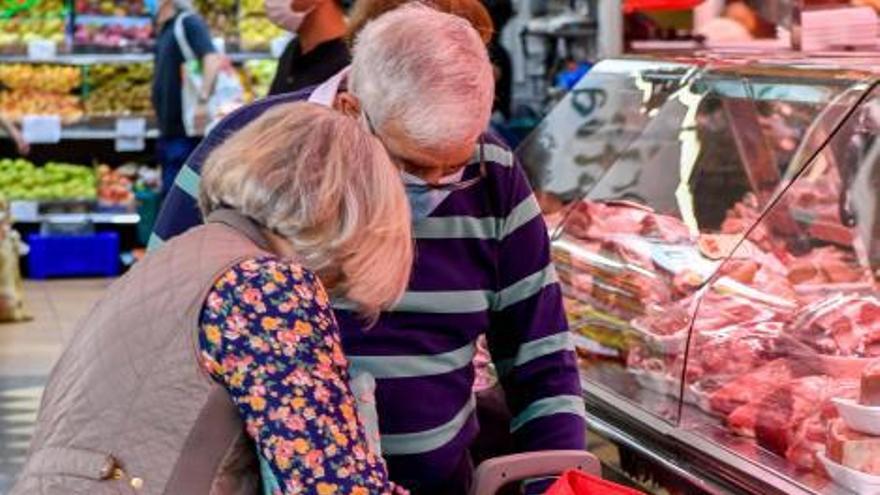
x,y
716,231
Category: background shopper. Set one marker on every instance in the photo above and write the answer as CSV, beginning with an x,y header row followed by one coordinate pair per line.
x,y
174,145
22,146
318,51
422,80
130,405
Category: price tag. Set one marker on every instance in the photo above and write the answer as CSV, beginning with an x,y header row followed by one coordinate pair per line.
x,y
219,44
41,128
24,211
41,49
130,134
278,44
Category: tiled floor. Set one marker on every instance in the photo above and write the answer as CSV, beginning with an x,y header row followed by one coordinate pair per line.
x,y
27,352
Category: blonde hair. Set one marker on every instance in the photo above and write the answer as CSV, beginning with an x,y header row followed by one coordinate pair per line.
x,y
472,11
315,177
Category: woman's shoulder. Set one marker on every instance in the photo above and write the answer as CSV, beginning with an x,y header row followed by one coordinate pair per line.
x,y
273,277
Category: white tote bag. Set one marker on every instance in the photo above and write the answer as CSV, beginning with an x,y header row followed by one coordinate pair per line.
x,y
228,93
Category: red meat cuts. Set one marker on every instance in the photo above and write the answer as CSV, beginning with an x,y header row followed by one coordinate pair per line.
x,y
750,388
779,425
853,449
810,437
842,326
870,386
825,265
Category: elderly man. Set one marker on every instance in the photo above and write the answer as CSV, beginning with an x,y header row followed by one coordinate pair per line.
x,y
422,81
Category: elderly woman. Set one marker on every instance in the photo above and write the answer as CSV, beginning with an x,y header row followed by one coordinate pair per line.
x,y
225,337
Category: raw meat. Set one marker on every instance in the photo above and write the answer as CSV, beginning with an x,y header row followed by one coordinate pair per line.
x,y
853,449
750,388
788,418
825,265
870,386
841,326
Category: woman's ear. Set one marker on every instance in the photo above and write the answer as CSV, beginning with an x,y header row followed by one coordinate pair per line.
x,y
348,104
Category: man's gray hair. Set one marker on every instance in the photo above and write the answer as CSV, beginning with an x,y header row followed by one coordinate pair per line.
x,y
427,73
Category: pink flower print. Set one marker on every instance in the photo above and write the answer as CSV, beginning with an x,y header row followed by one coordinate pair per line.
x,y
305,292
236,324
269,288
294,422
215,302
252,296
322,395
314,459
250,265
288,337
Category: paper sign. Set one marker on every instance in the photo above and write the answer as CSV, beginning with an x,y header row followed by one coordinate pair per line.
x,y
130,144
219,45
41,128
130,133
41,49
131,127
278,44
24,211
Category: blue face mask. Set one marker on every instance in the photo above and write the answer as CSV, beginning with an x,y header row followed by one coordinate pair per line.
x,y
422,202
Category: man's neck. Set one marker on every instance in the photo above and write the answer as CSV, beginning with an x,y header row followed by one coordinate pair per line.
x,y
325,23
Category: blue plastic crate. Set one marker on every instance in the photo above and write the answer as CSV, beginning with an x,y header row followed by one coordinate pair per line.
x,y
73,256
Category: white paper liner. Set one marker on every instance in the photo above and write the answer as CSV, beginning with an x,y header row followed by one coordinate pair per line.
x,y
864,419
857,481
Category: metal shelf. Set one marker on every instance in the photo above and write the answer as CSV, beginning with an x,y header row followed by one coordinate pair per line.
x,y
89,132
82,59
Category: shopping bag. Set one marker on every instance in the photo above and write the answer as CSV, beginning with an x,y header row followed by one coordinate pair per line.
x,y
228,93
11,287
575,482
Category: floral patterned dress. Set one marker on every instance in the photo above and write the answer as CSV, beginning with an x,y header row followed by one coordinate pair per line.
x,y
269,336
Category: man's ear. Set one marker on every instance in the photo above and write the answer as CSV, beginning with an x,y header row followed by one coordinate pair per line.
x,y
348,104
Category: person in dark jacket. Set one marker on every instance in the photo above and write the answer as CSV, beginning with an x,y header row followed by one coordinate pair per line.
x,y
318,51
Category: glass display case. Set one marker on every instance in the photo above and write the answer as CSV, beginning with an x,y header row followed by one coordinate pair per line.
x,y
716,229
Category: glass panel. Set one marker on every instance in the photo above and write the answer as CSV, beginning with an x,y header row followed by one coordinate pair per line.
x,y
635,252
803,288
593,125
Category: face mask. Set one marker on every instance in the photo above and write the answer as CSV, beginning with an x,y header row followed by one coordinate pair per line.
x,y
423,202
280,13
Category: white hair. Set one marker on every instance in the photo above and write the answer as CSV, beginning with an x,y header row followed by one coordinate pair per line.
x,y
425,72
318,179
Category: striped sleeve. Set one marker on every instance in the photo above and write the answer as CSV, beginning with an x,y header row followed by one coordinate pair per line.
x,y
180,210
529,338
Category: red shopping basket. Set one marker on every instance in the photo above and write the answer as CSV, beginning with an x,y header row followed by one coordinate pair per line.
x,y
574,482
575,465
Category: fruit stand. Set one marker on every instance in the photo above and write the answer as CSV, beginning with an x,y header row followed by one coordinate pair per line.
x,y
716,231
89,63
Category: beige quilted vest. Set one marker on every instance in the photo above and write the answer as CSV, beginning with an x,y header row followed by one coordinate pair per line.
x,y
127,408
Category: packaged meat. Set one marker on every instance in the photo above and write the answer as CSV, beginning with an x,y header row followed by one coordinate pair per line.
x,y
853,449
843,325
870,394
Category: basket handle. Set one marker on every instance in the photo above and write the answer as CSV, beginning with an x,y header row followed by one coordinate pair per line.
x,y
493,474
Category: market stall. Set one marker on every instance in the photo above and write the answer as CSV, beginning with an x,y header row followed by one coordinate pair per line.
x,y
716,229
76,76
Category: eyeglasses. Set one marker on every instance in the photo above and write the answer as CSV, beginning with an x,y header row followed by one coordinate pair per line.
x,y
427,187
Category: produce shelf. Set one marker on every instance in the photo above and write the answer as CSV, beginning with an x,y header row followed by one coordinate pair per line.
x,y
114,58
